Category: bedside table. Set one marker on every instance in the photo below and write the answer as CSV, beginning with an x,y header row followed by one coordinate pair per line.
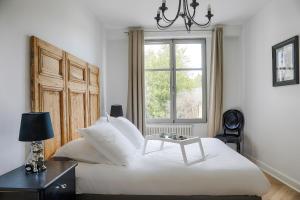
x,y
56,183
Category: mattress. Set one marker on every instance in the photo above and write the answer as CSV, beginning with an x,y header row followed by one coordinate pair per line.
x,y
224,172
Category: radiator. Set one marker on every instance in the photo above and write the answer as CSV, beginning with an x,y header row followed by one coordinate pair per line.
x,y
179,129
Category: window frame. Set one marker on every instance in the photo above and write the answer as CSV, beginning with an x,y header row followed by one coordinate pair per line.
x,y
172,69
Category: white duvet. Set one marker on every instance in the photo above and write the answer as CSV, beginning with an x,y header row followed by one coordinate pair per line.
x,y
224,172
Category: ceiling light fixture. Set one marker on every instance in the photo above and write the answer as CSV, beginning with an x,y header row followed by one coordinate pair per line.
x,y
184,12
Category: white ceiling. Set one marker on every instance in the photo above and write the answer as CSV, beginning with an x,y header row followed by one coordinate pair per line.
x,y
127,13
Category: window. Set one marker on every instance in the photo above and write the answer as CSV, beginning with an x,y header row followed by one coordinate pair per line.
x,y
175,81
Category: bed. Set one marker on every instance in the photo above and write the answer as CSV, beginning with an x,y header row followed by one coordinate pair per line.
x,y
68,88
224,173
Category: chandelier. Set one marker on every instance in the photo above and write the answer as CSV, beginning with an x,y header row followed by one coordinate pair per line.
x,y
184,12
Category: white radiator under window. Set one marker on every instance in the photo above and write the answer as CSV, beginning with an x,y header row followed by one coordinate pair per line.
x,y
179,129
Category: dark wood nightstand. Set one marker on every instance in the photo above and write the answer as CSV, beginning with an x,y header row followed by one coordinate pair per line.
x,y
56,183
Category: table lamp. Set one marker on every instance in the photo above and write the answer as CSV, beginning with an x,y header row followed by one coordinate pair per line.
x,y
35,127
116,111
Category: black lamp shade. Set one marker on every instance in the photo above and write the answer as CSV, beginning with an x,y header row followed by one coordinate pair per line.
x,y
116,111
35,126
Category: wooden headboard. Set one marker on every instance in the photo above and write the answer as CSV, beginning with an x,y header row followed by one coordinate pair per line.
x,y
65,86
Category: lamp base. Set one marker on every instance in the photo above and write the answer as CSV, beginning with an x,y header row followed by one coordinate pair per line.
x,y
36,162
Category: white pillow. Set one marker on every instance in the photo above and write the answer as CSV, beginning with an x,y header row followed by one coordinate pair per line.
x,y
128,130
82,151
110,142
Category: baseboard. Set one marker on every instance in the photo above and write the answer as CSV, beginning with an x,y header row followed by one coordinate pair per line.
x,y
291,182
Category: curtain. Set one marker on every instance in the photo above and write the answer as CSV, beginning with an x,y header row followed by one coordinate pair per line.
x,y
135,101
216,83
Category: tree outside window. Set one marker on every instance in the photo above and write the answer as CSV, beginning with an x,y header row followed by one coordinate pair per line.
x,y
174,77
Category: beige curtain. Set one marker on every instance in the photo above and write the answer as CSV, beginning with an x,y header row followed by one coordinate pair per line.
x,y
135,101
216,83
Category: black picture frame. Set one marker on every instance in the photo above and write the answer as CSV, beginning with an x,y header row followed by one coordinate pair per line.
x,y
287,54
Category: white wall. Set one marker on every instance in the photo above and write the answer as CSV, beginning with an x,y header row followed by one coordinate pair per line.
x,y
117,72
117,67
272,113
63,23
232,75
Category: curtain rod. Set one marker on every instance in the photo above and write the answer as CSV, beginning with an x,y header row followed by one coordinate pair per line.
x,y
207,30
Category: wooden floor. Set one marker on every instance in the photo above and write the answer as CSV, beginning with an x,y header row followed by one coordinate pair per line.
x,y
280,191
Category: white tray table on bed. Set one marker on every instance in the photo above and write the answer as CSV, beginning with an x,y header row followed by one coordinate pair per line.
x,y
182,143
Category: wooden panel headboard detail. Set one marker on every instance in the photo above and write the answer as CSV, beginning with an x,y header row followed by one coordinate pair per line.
x,y
65,86
94,93
77,95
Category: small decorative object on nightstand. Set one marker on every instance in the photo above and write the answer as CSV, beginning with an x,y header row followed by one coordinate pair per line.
x,y
35,127
56,183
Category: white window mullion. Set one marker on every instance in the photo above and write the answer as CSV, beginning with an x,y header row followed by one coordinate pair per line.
x,y
173,83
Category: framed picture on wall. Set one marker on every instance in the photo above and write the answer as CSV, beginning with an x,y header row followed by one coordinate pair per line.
x,y
285,57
